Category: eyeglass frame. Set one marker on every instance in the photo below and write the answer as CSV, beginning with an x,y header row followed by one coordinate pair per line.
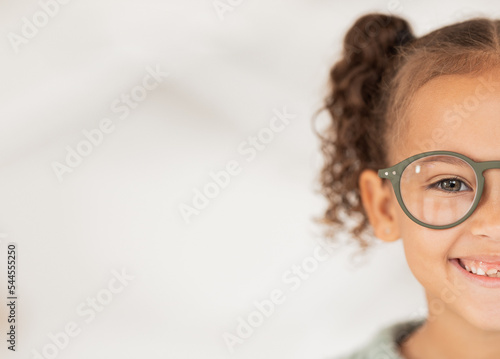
x,y
394,173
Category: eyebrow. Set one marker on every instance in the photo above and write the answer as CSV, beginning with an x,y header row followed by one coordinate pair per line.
x,y
446,159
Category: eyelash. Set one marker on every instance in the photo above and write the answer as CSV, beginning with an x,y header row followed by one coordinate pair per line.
x,y
435,185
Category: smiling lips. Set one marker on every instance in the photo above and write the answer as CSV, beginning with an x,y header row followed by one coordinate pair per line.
x,y
488,267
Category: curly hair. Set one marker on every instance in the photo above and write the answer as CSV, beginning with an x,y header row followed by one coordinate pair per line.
x,y
381,67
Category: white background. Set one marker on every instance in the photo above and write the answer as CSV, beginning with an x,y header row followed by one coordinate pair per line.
x,y
119,209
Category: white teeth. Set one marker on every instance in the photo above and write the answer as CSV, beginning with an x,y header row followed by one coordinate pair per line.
x,y
479,271
489,272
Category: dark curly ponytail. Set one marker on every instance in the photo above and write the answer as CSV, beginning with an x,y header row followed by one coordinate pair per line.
x,y
381,67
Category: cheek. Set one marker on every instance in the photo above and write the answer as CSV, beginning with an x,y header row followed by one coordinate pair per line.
x,y
426,251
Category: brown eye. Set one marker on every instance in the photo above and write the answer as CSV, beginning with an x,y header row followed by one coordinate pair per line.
x,y
451,185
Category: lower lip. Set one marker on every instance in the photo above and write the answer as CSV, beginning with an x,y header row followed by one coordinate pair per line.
x,y
490,282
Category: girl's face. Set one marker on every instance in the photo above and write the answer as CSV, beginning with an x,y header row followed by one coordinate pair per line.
x,y
460,114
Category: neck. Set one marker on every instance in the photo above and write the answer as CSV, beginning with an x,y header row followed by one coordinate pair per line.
x,y
448,335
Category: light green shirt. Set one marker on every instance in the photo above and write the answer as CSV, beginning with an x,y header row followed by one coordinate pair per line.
x,y
386,343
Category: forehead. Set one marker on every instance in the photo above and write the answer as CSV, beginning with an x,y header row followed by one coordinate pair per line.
x,y
459,113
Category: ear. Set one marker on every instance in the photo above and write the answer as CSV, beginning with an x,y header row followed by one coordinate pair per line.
x,y
380,204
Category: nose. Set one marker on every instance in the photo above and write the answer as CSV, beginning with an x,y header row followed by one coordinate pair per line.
x,y
485,221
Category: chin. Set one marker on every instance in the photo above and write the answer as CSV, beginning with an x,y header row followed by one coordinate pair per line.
x,y
484,318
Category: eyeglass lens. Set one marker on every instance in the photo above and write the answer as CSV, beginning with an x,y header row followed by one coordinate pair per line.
x,y
438,189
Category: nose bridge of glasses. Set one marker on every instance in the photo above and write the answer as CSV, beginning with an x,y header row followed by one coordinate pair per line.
x,y
489,186
489,201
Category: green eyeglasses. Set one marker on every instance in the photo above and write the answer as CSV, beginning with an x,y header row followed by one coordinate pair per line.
x,y
438,189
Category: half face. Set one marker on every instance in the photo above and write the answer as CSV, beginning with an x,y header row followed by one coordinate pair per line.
x,y
459,114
